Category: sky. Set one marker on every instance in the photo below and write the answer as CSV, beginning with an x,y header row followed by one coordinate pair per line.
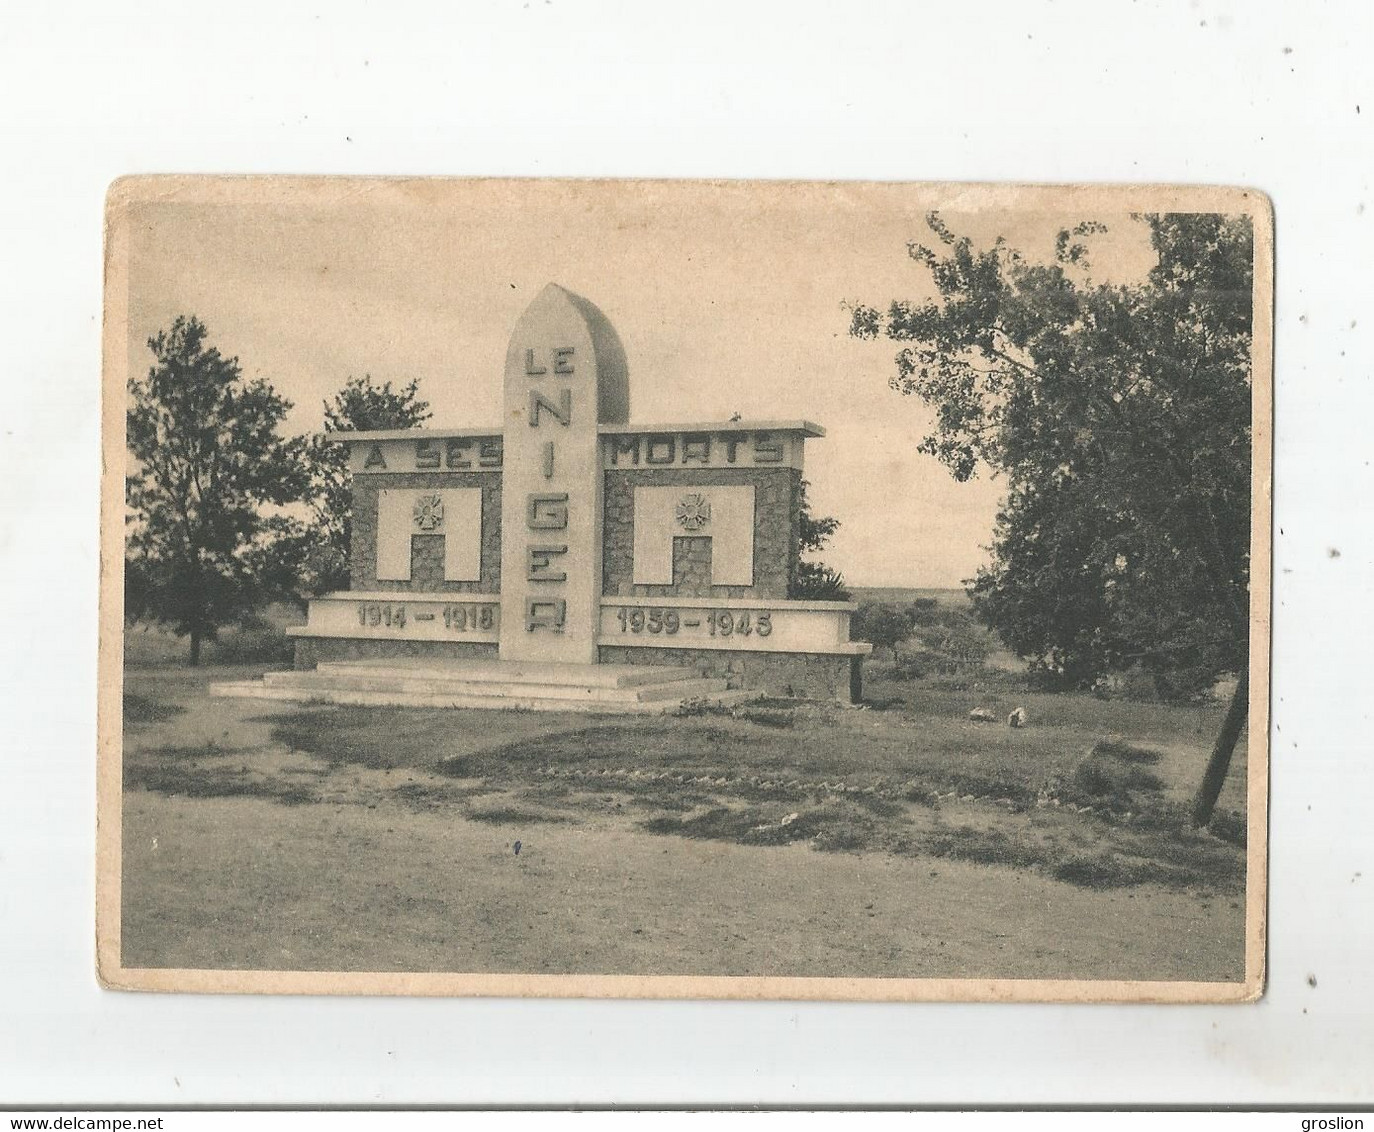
x,y
729,298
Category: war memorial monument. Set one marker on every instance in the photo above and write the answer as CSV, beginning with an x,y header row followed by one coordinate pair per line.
x,y
567,557
671,772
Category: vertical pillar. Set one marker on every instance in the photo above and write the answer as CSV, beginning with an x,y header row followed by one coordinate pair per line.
x,y
565,374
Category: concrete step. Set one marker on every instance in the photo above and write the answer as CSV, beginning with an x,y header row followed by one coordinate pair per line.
x,y
490,684
410,682
258,689
516,672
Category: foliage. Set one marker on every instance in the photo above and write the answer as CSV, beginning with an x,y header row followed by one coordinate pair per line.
x,y
815,532
815,581
1120,416
206,460
254,640
359,406
925,611
938,639
1105,779
881,624
947,642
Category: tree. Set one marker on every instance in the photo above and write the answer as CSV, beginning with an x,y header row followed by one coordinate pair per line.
x,y
815,581
359,406
1119,415
882,625
207,458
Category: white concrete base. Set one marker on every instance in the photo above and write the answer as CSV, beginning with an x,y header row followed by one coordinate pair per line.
x,y
528,686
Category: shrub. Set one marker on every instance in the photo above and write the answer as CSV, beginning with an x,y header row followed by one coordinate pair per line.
x,y
1042,677
1090,778
816,581
961,644
1112,775
927,639
912,667
925,611
880,624
259,644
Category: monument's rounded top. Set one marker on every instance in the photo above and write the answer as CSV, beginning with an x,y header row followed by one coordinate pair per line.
x,y
557,310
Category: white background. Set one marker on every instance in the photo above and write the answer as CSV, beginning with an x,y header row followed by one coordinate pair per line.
x,y
1266,95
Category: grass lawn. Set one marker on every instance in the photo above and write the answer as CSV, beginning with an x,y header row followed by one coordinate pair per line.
x,y
777,839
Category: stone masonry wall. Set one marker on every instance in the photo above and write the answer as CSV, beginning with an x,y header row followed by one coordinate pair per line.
x,y
691,567
311,651
426,551
777,529
811,676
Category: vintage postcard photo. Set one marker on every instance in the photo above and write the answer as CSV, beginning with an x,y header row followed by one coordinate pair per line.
x,y
685,589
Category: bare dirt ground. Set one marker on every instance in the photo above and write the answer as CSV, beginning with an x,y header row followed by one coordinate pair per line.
x,y
790,842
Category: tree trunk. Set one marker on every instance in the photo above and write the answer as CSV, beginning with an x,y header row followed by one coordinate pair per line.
x,y
195,652
1215,775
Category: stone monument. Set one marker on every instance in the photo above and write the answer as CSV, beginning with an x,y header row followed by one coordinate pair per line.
x,y
568,559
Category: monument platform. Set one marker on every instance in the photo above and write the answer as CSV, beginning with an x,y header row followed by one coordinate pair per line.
x,y
531,686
